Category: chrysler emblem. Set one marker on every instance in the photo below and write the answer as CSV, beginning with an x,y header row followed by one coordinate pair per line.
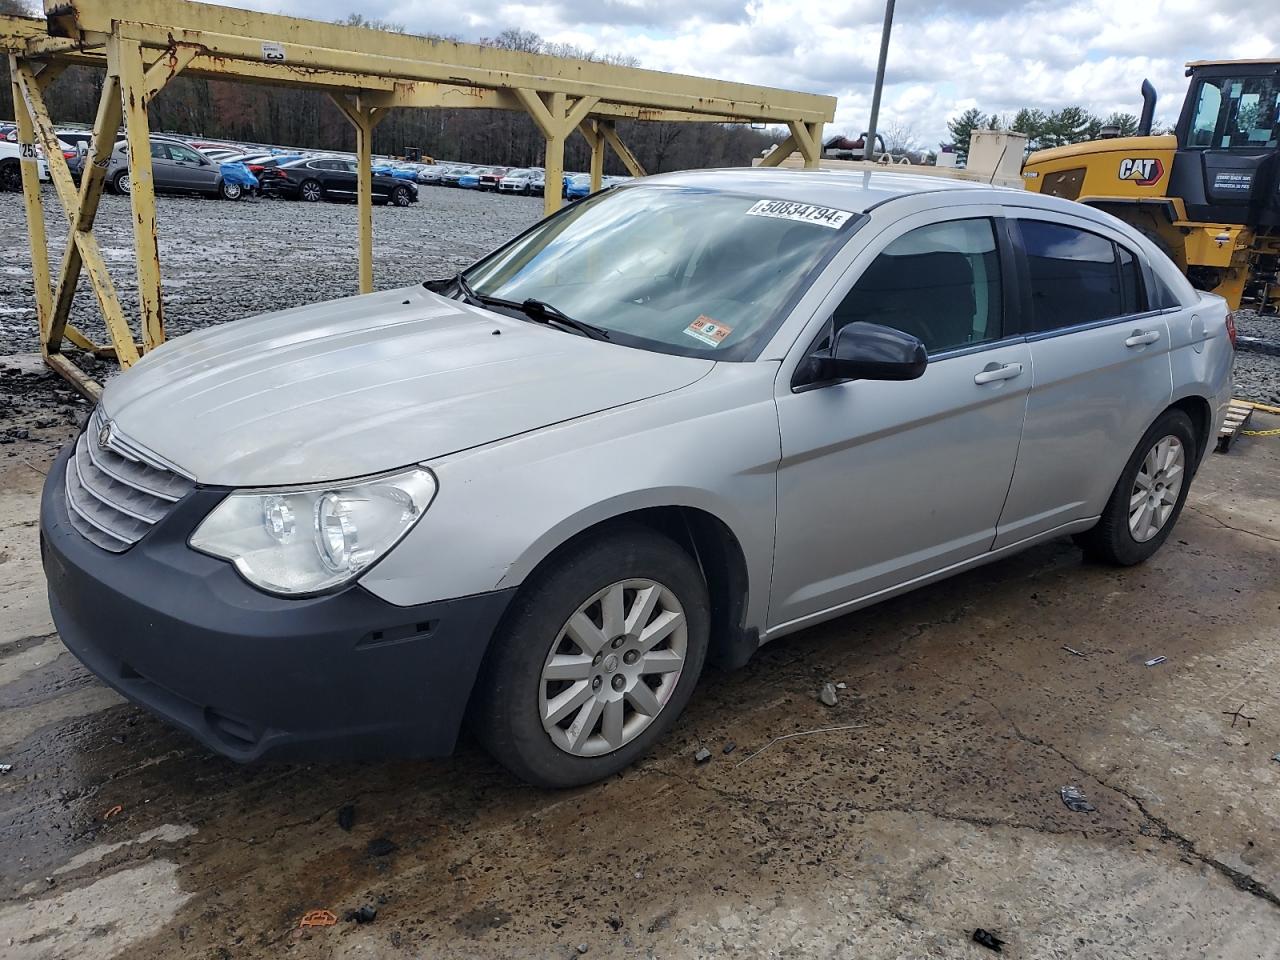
x,y
104,436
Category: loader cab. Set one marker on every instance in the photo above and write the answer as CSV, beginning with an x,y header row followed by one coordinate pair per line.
x,y
1227,166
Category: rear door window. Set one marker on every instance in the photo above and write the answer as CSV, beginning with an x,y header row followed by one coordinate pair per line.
x,y
1075,276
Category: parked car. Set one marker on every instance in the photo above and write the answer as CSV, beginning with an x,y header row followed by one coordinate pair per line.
x,y
578,186
406,171
469,180
432,173
517,181
453,176
721,406
11,166
490,177
332,178
175,168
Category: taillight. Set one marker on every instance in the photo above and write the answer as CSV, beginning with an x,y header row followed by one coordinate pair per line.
x,y
1231,328
69,154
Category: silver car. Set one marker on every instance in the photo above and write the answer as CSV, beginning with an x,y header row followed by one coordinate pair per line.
x,y
664,426
176,167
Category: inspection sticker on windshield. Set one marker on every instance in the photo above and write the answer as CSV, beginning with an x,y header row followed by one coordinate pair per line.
x,y
800,212
708,331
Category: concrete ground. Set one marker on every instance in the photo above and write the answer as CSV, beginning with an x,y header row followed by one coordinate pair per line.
x,y
932,808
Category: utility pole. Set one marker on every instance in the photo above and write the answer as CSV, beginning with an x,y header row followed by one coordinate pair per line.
x,y
868,150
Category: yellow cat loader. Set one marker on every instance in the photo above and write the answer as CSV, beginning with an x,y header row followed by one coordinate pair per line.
x,y
1207,194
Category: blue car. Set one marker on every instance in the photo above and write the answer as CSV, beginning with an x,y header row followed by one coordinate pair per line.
x,y
470,181
578,186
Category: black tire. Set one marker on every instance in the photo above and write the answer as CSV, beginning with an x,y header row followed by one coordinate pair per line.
x,y
310,191
10,176
1112,541
400,197
230,191
506,705
121,183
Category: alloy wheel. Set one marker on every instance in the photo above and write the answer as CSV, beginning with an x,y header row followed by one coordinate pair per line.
x,y
124,184
311,191
613,667
1156,488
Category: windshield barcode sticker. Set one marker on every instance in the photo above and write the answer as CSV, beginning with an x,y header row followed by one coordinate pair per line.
x,y
801,213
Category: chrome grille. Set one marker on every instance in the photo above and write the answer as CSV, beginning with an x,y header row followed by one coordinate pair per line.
x,y
115,492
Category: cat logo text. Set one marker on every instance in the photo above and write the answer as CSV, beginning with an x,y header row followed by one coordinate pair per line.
x,y
1142,171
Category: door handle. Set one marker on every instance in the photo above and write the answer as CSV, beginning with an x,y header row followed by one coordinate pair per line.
x,y
1140,338
1005,371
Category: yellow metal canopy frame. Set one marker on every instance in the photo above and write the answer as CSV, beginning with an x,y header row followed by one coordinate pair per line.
x,y
143,44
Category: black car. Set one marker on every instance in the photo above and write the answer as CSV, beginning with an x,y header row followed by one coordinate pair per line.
x,y
332,178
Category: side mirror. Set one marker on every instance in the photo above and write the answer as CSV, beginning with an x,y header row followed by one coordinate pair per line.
x,y
868,351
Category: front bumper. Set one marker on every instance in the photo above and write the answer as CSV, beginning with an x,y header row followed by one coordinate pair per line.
x,y
248,674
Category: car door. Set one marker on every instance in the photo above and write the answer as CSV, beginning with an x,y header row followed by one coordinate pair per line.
x,y
342,177
191,170
162,169
1100,370
882,483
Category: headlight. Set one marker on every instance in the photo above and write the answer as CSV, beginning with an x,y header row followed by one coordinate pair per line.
x,y
314,538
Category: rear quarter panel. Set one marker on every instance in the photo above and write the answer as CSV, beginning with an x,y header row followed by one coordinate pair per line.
x,y
1202,356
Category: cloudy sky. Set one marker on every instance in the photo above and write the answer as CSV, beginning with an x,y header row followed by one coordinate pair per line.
x,y
945,56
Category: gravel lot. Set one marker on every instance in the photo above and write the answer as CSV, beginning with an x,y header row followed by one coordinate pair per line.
x,y
221,261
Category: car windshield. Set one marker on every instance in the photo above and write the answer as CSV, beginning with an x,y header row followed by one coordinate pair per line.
x,y
674,269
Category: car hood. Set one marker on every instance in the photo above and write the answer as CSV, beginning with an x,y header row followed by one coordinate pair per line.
x,y
366,384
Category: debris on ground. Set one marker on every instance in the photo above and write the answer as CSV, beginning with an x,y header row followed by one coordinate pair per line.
x,y
1237,715
381,847
842,685
114,811
1075,800
347,817
800,733
1074,652
828,694
583,948
729,747
5,767
987,939
318,918
119,738
1156,660
702,756
1276,758
366,914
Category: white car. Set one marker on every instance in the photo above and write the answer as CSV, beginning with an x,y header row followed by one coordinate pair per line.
x,y
11,165
517,181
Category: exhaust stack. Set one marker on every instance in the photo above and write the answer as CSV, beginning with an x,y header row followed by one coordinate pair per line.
x,y
1148,109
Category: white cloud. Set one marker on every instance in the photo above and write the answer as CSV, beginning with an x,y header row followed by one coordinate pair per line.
x,y
997,55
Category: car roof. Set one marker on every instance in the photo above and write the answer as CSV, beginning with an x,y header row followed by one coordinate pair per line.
x,y
856,190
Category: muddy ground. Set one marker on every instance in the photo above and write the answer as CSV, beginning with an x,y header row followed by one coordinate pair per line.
x,y
932,808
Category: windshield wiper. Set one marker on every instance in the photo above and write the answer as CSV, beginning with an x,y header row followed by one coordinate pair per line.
x,y
543,312
468,295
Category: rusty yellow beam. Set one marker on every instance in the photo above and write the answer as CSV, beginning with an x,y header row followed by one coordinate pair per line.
x,y
36,237
85,384
335,46
621,149
125,59
590,130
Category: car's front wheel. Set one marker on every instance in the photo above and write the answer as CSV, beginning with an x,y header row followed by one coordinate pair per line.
x,y
10,175
400,196
1149,495
230,191
597,658
122,183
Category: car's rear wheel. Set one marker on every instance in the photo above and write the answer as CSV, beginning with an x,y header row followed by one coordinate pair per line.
x,y
310,191
122,183
400,196
10,176
1149,495
596,659
230,191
